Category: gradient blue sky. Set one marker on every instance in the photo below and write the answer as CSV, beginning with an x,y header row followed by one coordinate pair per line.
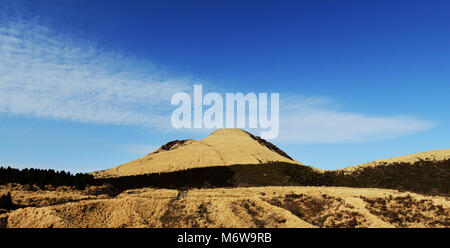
x,y
86,85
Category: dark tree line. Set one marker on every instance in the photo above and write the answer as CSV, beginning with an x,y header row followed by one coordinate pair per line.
x,y
217,176
428,177
42,177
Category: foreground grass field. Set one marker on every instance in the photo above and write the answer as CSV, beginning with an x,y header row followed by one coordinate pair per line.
x,y
274,206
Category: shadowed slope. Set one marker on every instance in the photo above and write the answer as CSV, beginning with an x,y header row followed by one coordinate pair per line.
x,y
426,172
239,175
235,158
426,177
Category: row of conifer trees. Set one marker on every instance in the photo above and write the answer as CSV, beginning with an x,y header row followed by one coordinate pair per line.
x,y
42,177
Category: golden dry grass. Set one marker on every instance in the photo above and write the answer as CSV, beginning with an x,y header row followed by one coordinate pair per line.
x,y
437,155
222,147
30,196
243,207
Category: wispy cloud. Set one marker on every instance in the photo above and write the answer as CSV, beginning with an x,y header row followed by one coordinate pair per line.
x,y
318,120
47,75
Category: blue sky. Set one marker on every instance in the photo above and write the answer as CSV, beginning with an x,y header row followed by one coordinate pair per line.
x,y
86,85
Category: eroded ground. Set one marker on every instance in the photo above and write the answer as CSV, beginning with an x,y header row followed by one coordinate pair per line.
x,y
294,206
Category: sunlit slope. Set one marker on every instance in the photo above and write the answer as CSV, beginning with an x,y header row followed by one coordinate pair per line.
x,y
222,147
430,156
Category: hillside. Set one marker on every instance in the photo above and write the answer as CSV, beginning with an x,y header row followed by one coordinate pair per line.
x,y
223,147
426,172
235,158
431,156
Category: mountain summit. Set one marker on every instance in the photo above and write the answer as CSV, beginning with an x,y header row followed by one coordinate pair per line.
x,y
223,147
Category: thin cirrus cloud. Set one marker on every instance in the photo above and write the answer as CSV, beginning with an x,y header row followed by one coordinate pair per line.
x,y
319,125
48,75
